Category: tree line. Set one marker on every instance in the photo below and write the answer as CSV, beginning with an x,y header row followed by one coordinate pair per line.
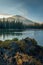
x,y
18,25
11,25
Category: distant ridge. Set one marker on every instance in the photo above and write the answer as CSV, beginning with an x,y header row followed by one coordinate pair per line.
x,y
18,18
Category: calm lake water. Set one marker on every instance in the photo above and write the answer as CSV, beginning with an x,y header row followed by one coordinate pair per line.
x,y
10,34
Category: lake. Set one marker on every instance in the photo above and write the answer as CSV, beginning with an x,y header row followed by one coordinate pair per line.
x,y
21,34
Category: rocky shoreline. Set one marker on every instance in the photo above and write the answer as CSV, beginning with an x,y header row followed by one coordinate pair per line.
x,y
21,52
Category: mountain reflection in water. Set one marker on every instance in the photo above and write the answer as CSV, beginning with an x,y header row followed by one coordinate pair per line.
x,y
21,34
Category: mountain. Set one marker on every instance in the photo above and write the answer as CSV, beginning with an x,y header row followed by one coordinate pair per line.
x,y
18,18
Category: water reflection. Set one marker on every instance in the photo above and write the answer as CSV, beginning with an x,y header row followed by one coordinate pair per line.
x,y
9,34
20,34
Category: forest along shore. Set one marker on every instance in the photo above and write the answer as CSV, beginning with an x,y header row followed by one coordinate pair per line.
x,y
21,52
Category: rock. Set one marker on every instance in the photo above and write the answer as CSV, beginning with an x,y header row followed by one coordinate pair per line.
x,y
23,52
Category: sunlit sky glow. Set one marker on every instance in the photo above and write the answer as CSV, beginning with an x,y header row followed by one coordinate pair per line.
x,y
5,16
31,9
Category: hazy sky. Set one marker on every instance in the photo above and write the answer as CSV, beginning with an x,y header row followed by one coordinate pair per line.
x,y
32,9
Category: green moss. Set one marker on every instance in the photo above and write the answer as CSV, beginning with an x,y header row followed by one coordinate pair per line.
x,y
15,39
6,43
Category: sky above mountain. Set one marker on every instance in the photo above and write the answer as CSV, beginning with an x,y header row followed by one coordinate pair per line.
x,y
31,9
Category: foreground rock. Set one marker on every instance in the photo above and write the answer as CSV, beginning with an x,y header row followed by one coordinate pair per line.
x,y
21,52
